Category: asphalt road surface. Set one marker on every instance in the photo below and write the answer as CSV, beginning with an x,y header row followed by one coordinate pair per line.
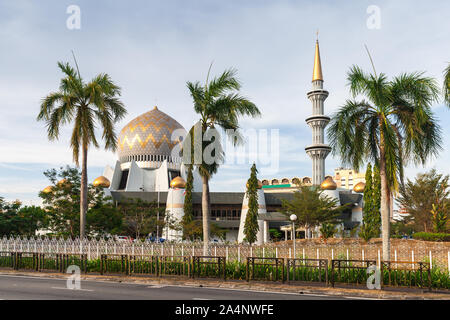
x,y
37,288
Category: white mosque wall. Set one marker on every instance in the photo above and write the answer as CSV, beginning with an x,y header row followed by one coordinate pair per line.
x,y
108,172
175,210
149,180
334,194
357,214
135,178
261,210
197,185
162,178
117,175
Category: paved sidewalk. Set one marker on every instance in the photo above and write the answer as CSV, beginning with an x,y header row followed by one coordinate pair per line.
x,y
342,290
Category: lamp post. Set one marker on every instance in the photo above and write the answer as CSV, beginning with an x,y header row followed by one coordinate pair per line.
x,y
293,217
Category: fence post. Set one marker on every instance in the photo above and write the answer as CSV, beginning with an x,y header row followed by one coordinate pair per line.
x,y
431,261
239,257
247,278
264,253
448,261
379,260
226,252
362,255
276,252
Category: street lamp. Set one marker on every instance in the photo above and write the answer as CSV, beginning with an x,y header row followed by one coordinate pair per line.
x,y
293,217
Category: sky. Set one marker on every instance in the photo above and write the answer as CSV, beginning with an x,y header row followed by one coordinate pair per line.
x,y
152,48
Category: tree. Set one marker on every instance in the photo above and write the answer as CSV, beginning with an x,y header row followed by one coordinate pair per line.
x,y
219,104
87,105
447,85
62,205
251,226
371,210
62,202
194,230
328,230
312,208
188,216
393,126
139,217
103,217
418,198
18,220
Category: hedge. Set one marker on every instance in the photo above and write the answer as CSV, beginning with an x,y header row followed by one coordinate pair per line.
x,y
428,236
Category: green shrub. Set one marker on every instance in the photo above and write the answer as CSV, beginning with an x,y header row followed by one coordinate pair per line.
x,y
428,236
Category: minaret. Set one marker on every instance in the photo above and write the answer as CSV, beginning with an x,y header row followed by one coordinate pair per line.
x,y
318,150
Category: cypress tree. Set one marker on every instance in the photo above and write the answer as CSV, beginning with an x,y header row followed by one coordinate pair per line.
x,y
188,216
366,233
251,226
376,201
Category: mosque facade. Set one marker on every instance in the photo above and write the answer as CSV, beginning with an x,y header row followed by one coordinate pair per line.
x,y
147,169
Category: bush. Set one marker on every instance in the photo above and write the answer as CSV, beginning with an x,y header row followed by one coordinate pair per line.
x,y
428,236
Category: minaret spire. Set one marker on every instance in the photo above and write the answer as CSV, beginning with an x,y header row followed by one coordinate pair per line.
x,y
318,150
317,71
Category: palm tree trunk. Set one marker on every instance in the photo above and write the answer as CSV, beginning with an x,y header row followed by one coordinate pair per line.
x,y
83,195
205,214
384,205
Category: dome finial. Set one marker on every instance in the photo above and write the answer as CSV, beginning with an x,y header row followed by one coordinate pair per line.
x,y
317,71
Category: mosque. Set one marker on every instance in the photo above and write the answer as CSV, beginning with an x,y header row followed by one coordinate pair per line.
x,y
147,169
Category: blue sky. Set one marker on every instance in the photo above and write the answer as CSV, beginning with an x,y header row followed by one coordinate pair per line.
x,y
151,48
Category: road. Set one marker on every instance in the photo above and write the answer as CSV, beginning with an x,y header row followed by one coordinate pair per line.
x,y
25,287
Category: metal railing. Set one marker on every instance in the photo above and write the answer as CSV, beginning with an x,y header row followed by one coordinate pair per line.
x,y
307,270
265,269
406,273
393,273
350,271
206,266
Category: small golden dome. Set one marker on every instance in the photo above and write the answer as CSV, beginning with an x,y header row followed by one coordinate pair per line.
x,y
359,187
259,185
101,182
47,189
328,184
62,182
178,182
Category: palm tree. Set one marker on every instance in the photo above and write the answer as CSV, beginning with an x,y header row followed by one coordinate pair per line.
x,y
393,126
87,105
447,85
219,104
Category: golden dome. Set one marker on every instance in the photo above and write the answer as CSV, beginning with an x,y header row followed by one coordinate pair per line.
x,y
62,182
47,189
101,182
148,139
359,187
259,185
178,182
328,184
